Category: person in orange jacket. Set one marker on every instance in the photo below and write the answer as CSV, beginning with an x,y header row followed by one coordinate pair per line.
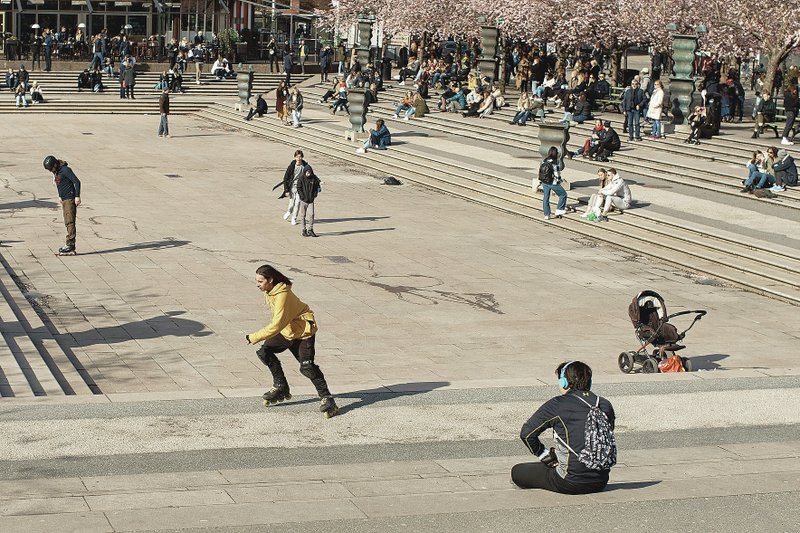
x,y
292,326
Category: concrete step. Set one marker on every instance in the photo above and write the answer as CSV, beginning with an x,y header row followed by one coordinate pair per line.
x,y
31,361
691,173
731,261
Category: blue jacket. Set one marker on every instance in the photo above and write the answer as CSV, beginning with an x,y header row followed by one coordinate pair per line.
x,y
381,138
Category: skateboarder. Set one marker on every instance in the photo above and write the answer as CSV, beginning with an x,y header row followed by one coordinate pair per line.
x,y
293,326
69,190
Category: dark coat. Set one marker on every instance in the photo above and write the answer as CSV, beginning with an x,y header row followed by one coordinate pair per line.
x,y
129,76
632,98
789,169
288,177
308,186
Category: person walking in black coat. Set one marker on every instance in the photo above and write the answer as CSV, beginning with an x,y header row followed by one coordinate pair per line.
x,y
308,186
288,63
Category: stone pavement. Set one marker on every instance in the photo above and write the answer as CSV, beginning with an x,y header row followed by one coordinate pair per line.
x,y
170,235
443,320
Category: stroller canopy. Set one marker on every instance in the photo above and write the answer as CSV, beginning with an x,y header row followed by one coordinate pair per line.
x,y
647,309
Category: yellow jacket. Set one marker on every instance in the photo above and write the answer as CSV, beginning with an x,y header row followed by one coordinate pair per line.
x,y
290,317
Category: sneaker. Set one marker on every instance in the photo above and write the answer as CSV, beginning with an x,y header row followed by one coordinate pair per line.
x,y
305,233
786,142
561,212
402,83
405,118
778,188
294,221
361,150
311,233
286,215
166,136
394,115
547,217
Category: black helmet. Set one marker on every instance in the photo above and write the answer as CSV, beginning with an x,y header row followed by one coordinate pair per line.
x,y
50,162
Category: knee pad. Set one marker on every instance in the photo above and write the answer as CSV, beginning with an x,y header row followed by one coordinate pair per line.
x,y
265,356
309,369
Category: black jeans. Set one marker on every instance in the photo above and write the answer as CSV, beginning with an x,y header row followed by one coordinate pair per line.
x,y
539,476
302,350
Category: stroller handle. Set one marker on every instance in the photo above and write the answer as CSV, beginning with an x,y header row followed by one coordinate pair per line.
x,y
698,315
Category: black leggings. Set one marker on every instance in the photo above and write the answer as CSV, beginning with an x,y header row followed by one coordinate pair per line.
x,y
302,350
539,476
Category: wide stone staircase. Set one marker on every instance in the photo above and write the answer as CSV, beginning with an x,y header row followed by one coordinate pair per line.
x,y
764,267
62,96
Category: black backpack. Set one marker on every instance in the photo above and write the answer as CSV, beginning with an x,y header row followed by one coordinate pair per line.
x,y
546,173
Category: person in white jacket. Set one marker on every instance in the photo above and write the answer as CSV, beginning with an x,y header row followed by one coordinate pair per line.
x,y
616,194
654,110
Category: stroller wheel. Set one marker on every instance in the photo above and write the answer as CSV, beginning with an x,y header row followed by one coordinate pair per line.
x,y
650,366
687,364
625,361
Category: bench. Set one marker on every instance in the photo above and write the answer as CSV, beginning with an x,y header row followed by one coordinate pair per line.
x,y
773,116
614,100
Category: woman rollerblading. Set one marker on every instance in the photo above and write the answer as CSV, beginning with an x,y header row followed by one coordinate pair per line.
x,y
293,326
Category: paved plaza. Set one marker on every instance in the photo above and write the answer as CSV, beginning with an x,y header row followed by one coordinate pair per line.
x,y
441,322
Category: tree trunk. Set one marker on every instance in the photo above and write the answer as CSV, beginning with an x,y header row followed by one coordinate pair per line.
x,y
561,57
776,57
615,58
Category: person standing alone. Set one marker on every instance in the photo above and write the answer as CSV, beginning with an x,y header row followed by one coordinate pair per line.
x,y
69,190
308,186
163,109
293,326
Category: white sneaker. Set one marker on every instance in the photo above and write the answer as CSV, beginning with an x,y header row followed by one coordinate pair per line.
x,y
405,118
786,142
361,150
402,83
393,116
547,217
561,212
294,221
286,215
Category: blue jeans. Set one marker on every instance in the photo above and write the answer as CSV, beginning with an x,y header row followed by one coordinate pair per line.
x,y
633,125
756,178
400,108
580,119
98,56
562,197
521,117
163,126
656,130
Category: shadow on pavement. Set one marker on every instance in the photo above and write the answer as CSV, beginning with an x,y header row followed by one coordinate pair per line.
x,y
150,328
151,245
630,485
372,396
347,219
707,362
355,231
30,203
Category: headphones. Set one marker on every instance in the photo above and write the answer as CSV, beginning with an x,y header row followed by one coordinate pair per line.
x,y
562,380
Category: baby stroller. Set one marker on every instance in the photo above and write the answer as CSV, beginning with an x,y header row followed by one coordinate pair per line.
x,y
648,313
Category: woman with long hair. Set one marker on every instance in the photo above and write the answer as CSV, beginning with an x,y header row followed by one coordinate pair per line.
x,y
292,327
